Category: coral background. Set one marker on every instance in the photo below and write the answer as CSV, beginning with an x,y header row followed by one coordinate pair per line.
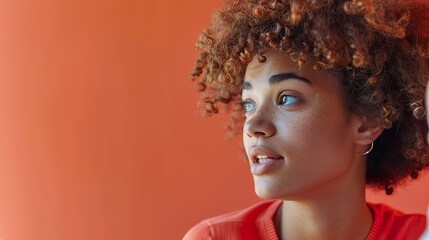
x,y
100,137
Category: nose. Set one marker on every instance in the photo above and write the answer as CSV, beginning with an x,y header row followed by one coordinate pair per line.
x,y
260,125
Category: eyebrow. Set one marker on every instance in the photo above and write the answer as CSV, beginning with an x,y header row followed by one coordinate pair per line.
x,y
279,77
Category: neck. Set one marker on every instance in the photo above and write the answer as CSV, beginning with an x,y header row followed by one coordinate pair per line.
x,y
339,214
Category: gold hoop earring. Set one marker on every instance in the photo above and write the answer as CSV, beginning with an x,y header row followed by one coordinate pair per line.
x,y
370,148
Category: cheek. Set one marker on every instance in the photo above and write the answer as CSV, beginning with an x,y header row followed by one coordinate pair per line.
x,y
300,130
246,141
313,133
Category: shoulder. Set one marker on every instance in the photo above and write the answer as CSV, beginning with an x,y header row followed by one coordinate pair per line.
x,y
393,224
249,221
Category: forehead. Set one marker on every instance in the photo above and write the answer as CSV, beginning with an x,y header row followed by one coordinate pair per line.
x,y
279,65
275,63
260,74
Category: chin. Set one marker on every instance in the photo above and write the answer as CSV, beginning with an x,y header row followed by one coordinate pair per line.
x,y
272,190
267,192
266,195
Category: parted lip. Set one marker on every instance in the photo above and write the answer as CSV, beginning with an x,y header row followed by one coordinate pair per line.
x,y
257,151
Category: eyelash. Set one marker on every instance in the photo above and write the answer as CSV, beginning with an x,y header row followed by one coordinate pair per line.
x,y
286,96
249,105
245,104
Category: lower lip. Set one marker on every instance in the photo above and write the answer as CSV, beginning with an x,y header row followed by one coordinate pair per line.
x,y
265,168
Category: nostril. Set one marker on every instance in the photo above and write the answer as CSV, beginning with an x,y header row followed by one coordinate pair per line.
x,y
256,134
259,134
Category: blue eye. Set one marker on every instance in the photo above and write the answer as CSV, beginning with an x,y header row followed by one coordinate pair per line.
x,y
288,100
248,106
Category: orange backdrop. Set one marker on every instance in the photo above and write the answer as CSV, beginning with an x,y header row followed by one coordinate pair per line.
x,y
100,137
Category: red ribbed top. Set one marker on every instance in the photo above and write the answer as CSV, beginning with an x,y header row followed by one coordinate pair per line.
x,y
256,223
389,223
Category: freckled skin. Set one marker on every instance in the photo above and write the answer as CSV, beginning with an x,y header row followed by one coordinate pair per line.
x,y
315,135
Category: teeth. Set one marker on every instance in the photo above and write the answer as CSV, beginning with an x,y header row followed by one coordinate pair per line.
x,y
264,156
265,159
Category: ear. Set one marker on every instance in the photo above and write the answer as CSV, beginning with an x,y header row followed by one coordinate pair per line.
x,y
364,127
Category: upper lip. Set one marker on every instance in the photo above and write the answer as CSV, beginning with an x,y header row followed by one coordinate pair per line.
x,y
256,151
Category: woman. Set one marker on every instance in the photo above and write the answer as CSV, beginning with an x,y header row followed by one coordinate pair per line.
x,y
332,93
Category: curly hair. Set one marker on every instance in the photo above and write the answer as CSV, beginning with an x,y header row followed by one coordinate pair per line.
x,y
378,49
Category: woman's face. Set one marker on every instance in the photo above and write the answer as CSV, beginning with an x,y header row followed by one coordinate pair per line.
x,y
298,134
